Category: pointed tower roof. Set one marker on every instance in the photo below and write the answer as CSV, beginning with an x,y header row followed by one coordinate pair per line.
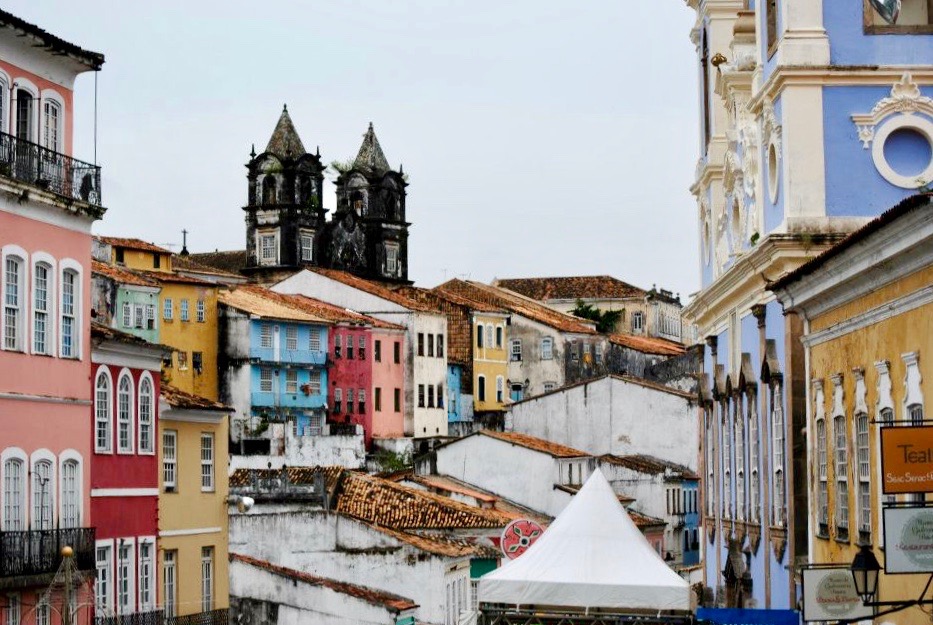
x,y
370,156
285,141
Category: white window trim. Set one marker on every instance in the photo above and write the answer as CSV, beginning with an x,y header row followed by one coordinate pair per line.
x,y
169,600
5,83
170,309
71,455
51,300
132,574
302,233
274,233
15,453
184,310
107,609
50,95
208,582
125,374
200,310
913,389
212,463
153,572
37,456
146,376
24,293
549,353
104,370
69,264
173,487
28,86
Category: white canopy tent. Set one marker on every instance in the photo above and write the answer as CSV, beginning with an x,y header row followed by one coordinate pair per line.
x,y
592,556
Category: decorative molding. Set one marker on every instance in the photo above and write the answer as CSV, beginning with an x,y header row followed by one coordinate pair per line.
x,y
754,537
905,99
861,404
189,532
124,492
779,542
45,399
711,530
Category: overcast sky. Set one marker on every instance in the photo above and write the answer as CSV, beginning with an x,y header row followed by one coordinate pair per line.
x,y
541,137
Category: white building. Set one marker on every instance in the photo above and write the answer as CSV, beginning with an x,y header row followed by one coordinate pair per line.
x,y
615,414
426,330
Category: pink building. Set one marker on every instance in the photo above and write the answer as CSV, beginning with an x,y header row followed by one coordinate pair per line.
x,y
48,202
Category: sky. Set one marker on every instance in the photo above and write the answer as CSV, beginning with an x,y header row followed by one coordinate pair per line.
x,y
541,137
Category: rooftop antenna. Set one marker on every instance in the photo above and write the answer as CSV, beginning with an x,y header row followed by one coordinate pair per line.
x,y
184,243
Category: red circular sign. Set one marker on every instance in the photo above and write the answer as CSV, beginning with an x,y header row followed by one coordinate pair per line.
x,y
518,536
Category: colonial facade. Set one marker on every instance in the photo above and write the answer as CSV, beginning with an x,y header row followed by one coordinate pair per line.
x,y
814,116
48,202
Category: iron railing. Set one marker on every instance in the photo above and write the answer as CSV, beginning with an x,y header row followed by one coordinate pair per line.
x,y
38,552
33,164
212,617
153,617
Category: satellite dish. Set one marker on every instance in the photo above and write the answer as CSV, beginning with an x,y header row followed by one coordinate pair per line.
x,y
518,536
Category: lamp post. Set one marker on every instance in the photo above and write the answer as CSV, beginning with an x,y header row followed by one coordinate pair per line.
x,y
865,573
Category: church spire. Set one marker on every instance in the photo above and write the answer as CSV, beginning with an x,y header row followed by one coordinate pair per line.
x,y
370,157
285,142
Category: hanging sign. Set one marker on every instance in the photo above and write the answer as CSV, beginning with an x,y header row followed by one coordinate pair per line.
x,y
829,595
907,459
908,539
518,536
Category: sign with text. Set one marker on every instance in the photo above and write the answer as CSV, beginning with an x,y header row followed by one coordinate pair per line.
x,y
907,459
829,595
908,540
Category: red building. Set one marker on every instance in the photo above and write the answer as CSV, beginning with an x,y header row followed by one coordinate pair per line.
x,y
125,386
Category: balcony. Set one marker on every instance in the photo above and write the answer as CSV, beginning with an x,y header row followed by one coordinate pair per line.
x,y
39,552
299,400
212,617
303,357
51,171
155,617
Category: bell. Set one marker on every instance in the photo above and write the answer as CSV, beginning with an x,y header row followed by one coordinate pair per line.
x,y
887,9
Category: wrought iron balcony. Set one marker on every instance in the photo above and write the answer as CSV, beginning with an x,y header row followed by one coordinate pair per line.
x,y
153,617
39,552
212,617
49,170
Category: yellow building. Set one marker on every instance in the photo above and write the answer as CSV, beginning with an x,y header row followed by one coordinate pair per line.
x,y
132,254
193,490
867,306
490,340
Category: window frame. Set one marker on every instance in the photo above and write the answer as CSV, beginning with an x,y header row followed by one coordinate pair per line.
x,y
41,260
104,586
169,461
183,310
200,310
167,309
68,501
103,372
515,350
70,315
16,311
869,27
146,573
14,518
207,578
146,399
208,478
130,420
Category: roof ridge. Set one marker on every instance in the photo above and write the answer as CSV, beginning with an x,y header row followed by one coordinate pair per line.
x,y
285,142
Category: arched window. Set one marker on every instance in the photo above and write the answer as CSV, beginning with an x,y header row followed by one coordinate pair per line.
x,y
14,495
268,189
547,348
103,412
125,414
145,416
71,494
43,495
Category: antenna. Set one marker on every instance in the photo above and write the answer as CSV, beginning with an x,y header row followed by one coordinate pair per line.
x,y
184,243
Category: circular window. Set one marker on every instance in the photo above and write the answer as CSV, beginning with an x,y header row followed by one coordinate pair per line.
x,y
902,151
773,172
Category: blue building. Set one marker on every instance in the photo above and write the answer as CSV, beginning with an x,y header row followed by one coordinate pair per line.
x,y
691,533
815,115
274,368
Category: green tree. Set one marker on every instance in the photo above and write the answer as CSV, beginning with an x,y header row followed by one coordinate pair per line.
x,y
605,320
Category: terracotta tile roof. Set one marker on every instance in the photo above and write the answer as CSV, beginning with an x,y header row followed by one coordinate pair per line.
x,y
133,244
643,521
337,314
257,300
399,507
55,45
448,484
178,398
537,444
648,345
296,475
186,263
232,261
625,500
644,463
121,275
441,545
373,288
101,332
572,288
171,277
518,304
396,603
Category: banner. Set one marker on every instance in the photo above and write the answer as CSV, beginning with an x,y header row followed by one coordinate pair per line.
x,y
908,539
738,616
829,595
907,459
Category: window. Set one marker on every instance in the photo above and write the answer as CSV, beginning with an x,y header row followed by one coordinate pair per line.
x,y
489,335
499,333
71,495
43,612
12,303
754,448
146,565
291,382
350,399
183,312
739,424
771,26
914,17
197,361
102,589
43,495
127,315
638,321
53,116
377,350
361,398
169,459
377,399
547,348
421,395
397,400
391,259
549,386
69,330
842,476
156,261
516,350
338,346
40,309
169,557
338,400
314,340
598,352
430,395
125,560
431,345
167,309
125,414
103,412
265,380
500,389
823,493
710,464
314,382
440,345
864,477
207,579
150,317
14,495
481,387
24,110
361,347
119,256
915,414
199,310
480,338
574,355
268,249
182,361
349,347
777,438
307,246
726,461
207,462
397,352
138,316
421,344
291,338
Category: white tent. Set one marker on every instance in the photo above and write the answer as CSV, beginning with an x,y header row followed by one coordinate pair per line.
x,y
591,556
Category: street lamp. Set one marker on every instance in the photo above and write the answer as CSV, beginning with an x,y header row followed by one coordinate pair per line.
x,y
865,569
